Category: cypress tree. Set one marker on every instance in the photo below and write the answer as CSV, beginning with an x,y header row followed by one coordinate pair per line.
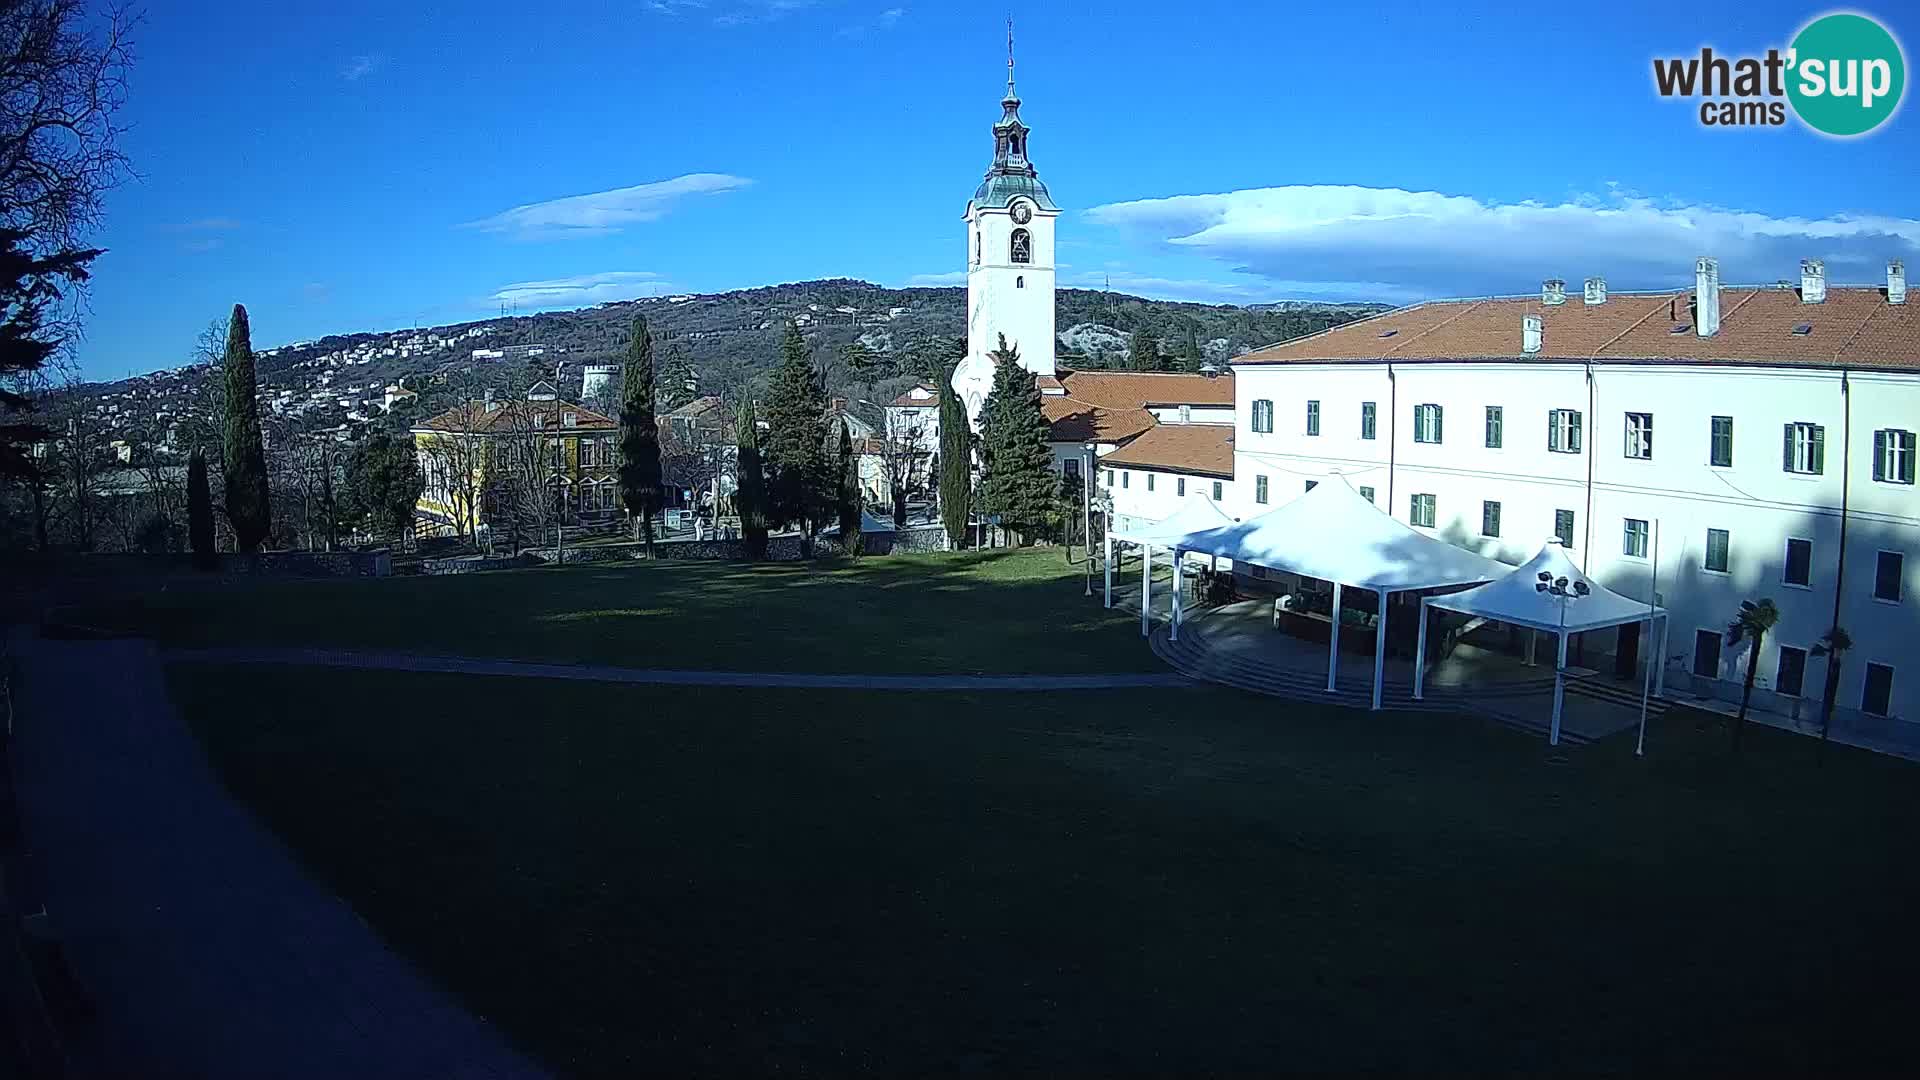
x,y
1143,352
956,479
849,493
749,496
249,504
199,511
640,436
800,480
1016,480
676,378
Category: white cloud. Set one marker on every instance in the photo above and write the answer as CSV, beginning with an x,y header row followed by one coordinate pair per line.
x,y
581,291
883,21
603,212
951,277
365,64
1395,244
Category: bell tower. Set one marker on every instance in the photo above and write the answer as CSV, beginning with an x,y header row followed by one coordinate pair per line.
x,y
1010,269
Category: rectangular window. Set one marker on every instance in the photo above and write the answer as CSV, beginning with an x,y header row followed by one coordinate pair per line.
x,y
1313,418
1311,484
1489,519
1366,420
1563,527
1260,489
1422,511
1887,572
1366,493
1426,423
1635,543
1799,570
1706,653
1876,698
1804,449
1179,485
1216,491
1792,675
1563,431
1109,473
1893,456
1496,427
1640,436
1126,478
1071,467
1149,481
1722,442
1263,415
1186,414
1718,543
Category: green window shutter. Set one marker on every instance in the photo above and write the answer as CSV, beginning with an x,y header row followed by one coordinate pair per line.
x,y
1552,427
1819,448
1786,449
1438,417
1879,455
1576,433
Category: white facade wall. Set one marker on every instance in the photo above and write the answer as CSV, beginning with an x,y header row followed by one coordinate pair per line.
x,y
921,422
1755,500
1142,496
1005,297
1192,414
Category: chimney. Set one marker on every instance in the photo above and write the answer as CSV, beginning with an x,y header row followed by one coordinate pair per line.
x,y
1596,291
1553,292
489,400
1706,296
1532,329
1896,282
1813,281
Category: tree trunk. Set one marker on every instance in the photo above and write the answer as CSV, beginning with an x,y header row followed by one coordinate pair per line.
x,y
1746,694
1826,704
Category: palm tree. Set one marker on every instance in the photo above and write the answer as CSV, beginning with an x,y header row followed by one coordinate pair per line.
x,y
1750,625
1832,645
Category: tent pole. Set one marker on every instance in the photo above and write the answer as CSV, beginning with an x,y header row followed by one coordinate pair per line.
x,y
1533,639
1646,688
1107,565
1379,650
1333,641
1420,654
1179,581
1146,586
1559,691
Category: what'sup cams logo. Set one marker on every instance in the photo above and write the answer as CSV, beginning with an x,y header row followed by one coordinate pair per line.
x,y
1844,75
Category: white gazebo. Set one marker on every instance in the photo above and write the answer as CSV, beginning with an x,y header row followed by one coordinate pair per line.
x,y
1548,593
1195,515
1336,535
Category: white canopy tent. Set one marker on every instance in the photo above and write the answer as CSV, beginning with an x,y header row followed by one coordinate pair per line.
x,y
1335,534
1195,515
1527,597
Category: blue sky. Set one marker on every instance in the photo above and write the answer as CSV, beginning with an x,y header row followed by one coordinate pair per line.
x,y
353,167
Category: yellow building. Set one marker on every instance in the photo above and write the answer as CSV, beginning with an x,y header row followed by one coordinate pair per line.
x,y
496,464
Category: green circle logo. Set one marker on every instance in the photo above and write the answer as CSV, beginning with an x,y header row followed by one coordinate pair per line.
x,y
1846,74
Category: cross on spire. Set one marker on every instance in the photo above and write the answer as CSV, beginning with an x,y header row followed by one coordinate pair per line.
x,y
1010,94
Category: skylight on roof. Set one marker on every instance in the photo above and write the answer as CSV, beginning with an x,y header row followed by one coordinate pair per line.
x,y
1803,329
1680,328
1388,333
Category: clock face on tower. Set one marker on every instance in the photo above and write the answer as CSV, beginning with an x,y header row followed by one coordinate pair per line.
x,y
1022,213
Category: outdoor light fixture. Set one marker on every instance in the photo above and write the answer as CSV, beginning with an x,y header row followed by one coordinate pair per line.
x,y
1559,586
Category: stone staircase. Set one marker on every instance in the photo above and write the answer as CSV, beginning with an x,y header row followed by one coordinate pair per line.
x,y
1513,704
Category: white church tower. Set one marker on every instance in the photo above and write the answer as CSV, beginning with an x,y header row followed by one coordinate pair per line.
x,y
1009,260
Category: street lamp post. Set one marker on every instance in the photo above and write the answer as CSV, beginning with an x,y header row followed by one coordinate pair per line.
x,y
1566,592
559,478
1086,507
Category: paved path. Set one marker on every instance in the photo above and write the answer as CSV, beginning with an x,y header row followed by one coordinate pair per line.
x,y
208,951
460,665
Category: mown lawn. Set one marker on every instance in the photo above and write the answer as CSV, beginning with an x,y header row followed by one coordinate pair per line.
x,y
628,879
993,612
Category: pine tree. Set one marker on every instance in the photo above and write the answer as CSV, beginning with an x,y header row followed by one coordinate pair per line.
x,y
1017,480
384,483
1143,352
750,491
199,511
800,482
249,503
848,500
1190,357
956,464
676,381
640,435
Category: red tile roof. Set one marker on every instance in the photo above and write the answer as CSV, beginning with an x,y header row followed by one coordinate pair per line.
x,y
474,417
1206,449
906,400
1072,420
1135,389
1854,327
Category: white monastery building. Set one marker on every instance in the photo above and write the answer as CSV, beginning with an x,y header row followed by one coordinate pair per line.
x,y
1750,441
